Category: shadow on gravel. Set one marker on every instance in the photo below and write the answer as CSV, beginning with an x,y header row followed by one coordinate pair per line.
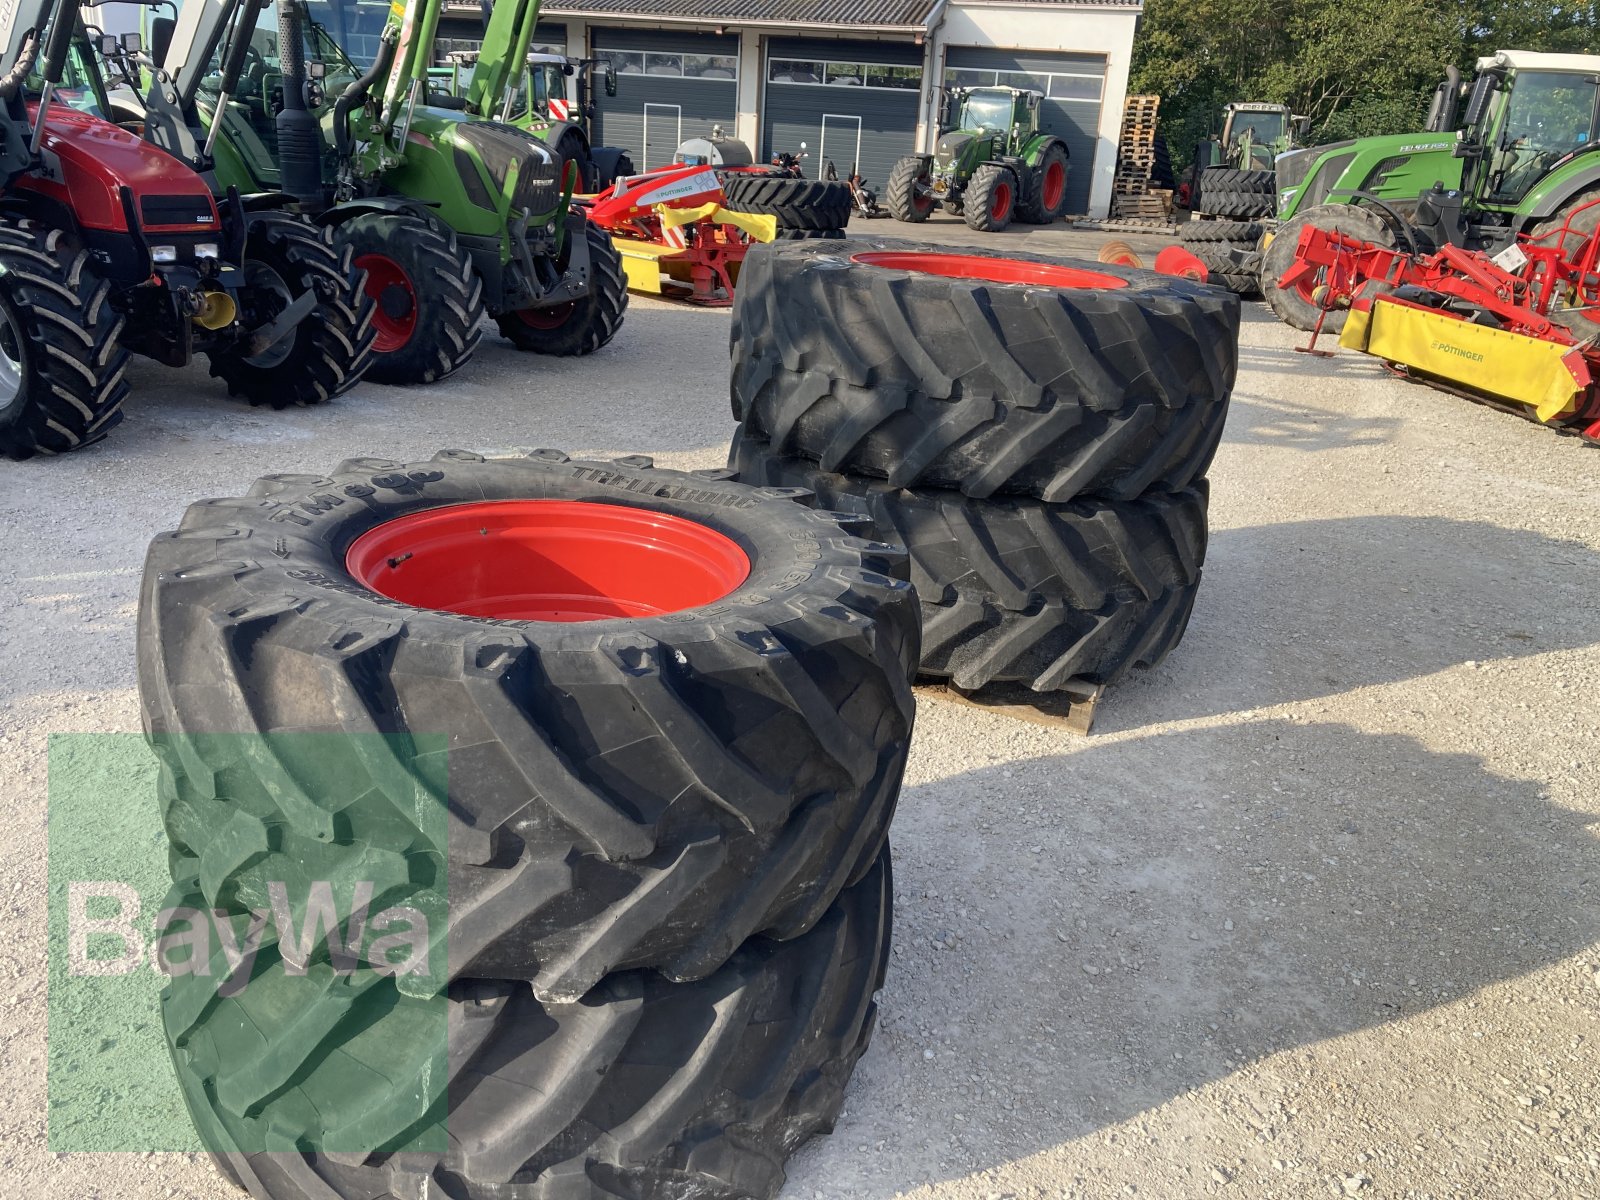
x,y
1306,609
1082,938
1258,419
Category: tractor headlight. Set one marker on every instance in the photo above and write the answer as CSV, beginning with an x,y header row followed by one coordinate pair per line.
x,y
163,256
206,250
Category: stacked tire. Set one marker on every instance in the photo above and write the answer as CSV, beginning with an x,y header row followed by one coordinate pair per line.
x,y
804,208
1231,251
620,745
1237,195
1035,432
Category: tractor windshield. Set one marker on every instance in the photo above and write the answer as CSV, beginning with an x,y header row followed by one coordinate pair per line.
x,y
1547,116
1263,127
988,110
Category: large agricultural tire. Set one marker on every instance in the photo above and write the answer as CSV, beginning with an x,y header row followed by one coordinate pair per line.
x,y
643,1088
1298,306
430,300
902,194
576,327
62,366
1580,217
803,235
1044,196
571,146
1241,233
1017,590
1236,206
1230,179
327,353
651,756
796,203
1231,266
989,204
927,380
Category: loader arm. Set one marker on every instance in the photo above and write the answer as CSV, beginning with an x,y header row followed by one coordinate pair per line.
x,y
413,25
503,55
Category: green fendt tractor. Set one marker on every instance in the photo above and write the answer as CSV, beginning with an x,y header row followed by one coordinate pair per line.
x,y
994,165
1233,172
450,215
1521,158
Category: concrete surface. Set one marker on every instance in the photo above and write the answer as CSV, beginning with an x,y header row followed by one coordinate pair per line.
x,y
1313,912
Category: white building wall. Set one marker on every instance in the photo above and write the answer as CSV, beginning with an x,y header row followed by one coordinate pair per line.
x,y
1107,31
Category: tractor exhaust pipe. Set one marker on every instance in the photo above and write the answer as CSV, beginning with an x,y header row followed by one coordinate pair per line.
x,y
299,139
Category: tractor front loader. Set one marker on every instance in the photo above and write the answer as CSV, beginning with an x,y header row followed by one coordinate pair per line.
x,y
109,246
993,166
451,216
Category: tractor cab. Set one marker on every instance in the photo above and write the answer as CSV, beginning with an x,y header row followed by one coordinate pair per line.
x,y
1254,134
995,110
1527,116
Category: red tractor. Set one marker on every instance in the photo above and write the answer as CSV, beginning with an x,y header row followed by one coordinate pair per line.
x,y
110,246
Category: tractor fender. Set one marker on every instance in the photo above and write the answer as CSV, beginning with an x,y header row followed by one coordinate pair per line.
x,y
340,213
1034,148
606,161
1549,203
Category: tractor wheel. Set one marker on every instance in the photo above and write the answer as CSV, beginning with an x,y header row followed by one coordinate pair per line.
x,y
669,712
1581,221
1236,206
429,299
576,327
945,367
797,203
990,201
324,355
907,193
800,235
571,147
1239,233
1231,266
1046,189
1227,179
1016,590
61,365
644,1088
1298,306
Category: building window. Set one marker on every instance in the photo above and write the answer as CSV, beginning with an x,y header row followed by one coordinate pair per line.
x,y
679,66
844,74
1055,85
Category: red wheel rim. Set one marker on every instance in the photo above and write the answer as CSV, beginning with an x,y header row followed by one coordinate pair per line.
x,y
1055,185
390,288
994,270
547,560
1000,205
552,317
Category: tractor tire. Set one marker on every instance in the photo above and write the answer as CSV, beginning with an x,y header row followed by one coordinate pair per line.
x,y
1581,221
1231,266
577,327
801,235
327,353
62,366
644,1088
1016,590
429,299
990,202
931,381
901,195
1227,179
1239,233
1236,206
1044,196
714,760
1297,306
797,203
571,147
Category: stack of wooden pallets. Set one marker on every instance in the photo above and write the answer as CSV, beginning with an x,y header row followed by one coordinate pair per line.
x,y
1134,194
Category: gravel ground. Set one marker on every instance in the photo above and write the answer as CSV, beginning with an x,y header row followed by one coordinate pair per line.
x,y
1314,911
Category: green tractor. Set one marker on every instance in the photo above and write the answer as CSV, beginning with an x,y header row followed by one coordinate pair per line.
x,y
994,165
1233,172
451,216
1520,159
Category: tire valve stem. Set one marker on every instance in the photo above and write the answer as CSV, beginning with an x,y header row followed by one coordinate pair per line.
x,y
398,559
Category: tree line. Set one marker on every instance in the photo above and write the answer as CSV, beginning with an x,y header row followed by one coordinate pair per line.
x,y
1355,67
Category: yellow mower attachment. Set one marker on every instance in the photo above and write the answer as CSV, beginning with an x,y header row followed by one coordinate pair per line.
x,y
1547,377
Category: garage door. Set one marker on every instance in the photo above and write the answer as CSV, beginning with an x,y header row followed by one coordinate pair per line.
x,y
670,86
1073,85
852,102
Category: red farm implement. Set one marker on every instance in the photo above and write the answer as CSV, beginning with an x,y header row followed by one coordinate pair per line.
x,y
1519,330
676,238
